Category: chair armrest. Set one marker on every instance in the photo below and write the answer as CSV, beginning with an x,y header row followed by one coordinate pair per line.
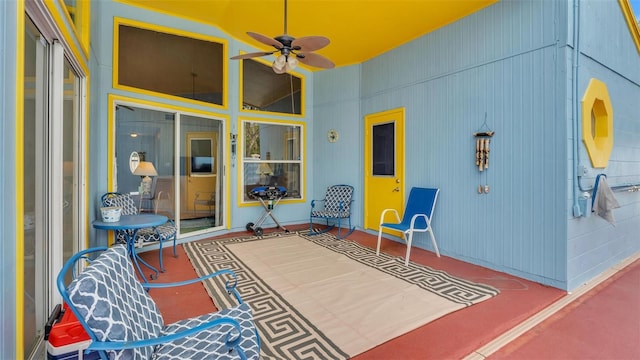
x,y
416,217
313,202
120,345
388,210
230,285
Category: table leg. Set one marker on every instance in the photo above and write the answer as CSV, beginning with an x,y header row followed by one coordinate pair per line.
x,y
136,259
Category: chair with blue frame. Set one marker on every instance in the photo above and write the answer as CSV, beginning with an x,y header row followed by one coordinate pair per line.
x,y
418,214
335,206
123,321
143,236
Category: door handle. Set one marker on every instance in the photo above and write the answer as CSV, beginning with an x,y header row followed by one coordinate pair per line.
x,y
397,181
397,189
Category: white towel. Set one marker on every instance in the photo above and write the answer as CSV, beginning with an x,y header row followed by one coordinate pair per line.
x,y
605,202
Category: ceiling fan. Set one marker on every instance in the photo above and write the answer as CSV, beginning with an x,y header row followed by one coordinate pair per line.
x,y
291,50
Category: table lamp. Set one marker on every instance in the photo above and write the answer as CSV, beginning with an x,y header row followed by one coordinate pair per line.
x,y
145,169
264,170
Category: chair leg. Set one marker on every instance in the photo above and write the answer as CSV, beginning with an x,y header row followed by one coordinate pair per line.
x,y
433,240
350,230
379,239
160,256
409,241
175,254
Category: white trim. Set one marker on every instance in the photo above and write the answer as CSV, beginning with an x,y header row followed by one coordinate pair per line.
x,y
55,168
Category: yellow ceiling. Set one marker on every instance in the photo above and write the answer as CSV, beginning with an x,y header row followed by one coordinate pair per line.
x,y
358,29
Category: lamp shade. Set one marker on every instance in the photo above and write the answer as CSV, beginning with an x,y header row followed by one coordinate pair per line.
x,y
279,64
264,169
145,168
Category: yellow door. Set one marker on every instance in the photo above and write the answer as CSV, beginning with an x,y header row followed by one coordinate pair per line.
x,y
383,165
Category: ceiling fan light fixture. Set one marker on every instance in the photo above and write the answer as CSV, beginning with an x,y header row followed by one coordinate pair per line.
x,y
291,50
292,62
279,64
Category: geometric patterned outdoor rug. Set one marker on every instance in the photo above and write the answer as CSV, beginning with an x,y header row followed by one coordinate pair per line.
x,y
318,297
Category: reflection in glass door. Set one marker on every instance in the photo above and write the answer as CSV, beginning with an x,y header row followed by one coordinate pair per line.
x,y
35,175
70,155
202,194
188,184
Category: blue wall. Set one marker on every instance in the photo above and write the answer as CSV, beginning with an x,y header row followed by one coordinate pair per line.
x,y
8,200
512,61
608,54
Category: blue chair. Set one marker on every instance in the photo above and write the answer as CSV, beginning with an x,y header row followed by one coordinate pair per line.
x,y
143,236
418,214
123,321
336,206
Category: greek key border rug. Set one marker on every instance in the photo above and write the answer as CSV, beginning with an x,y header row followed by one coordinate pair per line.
x,y
330,320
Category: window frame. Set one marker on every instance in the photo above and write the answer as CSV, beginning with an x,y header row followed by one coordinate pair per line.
x,y
241,87
117,21
246,158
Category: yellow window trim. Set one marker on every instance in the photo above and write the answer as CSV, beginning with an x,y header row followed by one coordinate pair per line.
x,y
597,123
117,21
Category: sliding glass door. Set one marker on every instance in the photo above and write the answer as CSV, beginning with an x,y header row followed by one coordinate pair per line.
x,y
52,176
186,154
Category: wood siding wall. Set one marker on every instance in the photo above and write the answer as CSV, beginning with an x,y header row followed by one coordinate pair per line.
x,y
512,62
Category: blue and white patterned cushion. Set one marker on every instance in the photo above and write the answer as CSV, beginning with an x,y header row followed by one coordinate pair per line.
x,y
116,307
210,344
114,304
337,202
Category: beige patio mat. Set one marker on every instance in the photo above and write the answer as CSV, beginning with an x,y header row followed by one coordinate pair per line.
x,y
321,297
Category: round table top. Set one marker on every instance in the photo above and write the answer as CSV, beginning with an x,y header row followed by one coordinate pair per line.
x,y
132,222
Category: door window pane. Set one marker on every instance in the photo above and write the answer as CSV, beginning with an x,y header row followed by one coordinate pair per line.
x,y
150,134
201,186
383,150
35,118
70,162
188,188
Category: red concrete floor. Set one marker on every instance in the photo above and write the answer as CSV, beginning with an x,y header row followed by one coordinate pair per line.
x,y
453,336
601,324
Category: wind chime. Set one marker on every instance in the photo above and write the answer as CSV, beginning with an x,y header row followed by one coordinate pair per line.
x,y
483,144
482,150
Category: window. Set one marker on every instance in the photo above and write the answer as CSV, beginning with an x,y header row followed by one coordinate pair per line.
x,y
186,67
202,160
597,123
264,90
271,155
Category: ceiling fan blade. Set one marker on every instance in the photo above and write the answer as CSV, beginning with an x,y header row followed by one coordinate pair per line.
x,y
266,40
315,60
251,55
310,43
